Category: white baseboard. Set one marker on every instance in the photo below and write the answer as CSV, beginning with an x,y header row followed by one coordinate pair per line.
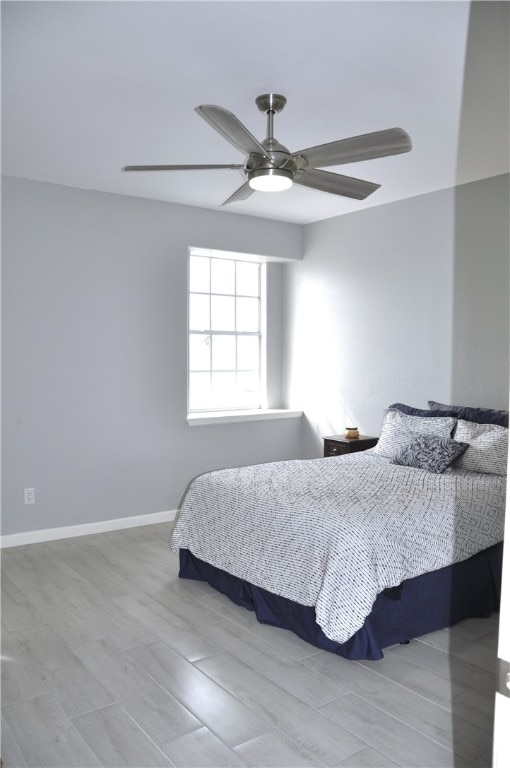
x,y
68,531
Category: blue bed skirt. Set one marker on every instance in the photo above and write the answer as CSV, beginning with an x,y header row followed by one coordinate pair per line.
x,y
418,606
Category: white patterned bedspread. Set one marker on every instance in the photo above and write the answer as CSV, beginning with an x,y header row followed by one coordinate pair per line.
x,y
333,533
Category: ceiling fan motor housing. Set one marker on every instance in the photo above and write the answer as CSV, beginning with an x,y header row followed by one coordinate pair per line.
x,y
276,156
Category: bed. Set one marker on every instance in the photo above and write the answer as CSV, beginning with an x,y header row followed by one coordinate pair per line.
x,y
359,552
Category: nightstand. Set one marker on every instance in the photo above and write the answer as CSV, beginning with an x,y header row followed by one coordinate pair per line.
x,y
338,445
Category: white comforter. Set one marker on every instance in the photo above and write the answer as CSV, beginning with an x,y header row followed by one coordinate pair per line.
x,y
335,532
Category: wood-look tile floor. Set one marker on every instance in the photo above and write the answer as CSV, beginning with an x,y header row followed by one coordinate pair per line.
x,y
109,659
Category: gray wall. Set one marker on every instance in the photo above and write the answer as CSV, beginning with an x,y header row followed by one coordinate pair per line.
x,y
94,353
403,302
480,293
407,301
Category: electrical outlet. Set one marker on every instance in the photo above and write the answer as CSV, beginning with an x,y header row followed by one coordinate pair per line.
x,y
29,495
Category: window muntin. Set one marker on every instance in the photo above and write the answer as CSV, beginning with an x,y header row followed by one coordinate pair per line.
x,y
225,340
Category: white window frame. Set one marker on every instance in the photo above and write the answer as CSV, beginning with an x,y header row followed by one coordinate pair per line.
x,y
228,414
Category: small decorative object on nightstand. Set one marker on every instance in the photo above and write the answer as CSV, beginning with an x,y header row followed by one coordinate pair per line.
x,y
339,445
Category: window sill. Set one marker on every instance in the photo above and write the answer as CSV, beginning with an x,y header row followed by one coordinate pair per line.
x,y
230,417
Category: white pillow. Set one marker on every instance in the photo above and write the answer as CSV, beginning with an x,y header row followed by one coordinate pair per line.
x,y
488,447
398,429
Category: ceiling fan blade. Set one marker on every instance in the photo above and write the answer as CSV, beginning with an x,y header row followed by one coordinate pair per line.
x,y
242,193
177,167
366,147
335,183
231,129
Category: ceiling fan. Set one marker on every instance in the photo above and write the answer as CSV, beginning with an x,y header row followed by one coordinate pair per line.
x,y
270,167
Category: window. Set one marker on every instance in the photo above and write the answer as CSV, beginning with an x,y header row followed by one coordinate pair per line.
x,y
225,339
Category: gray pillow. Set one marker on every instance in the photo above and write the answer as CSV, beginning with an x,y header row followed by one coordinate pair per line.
x,y
426,414
398,429
468,413
488,447
430,452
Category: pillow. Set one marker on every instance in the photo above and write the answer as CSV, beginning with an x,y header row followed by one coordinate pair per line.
x,y
476,415
398,429
488,447
430,452
423,412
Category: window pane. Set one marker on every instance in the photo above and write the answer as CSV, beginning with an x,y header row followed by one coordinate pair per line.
x,y
198,312
222,313
199,391
222,276
199,274
199,352
247,279
248,386
224,390
224,353
247,314
248,353
224,333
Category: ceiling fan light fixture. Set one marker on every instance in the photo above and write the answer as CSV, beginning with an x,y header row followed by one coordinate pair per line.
x,y
270,179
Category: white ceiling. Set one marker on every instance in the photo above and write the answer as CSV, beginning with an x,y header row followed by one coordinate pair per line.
x,y
91,86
